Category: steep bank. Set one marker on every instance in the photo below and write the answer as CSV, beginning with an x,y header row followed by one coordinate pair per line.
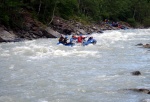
x,y
34,29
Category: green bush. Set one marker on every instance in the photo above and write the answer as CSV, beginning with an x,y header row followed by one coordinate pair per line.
x,y
146,22
83,19
132,22
5,20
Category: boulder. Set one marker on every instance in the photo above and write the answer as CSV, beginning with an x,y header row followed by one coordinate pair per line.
x,y
50,33
146,46
140,44
147,91
81,31
67,31
2,40
6,36
136,73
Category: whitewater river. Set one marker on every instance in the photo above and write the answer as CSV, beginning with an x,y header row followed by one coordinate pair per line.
x,y
41,71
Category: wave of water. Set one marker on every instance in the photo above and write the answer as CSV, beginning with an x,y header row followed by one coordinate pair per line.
x,y
42,71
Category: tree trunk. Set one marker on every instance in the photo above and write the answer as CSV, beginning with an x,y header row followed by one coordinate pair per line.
x,y
39,8
134,13
53,14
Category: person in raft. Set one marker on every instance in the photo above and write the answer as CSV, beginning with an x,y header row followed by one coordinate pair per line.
x,y
73,39
65,40
61,39
80,39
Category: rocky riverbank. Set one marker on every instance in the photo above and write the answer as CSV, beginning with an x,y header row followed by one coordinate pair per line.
x,y
34,29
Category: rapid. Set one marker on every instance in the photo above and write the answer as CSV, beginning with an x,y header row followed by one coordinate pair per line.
x,y
42,71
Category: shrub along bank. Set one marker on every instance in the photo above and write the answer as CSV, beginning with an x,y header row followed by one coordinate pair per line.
x,y
30,19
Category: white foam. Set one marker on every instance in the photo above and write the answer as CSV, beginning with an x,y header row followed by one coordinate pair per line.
x,y
11,67
42,100
65,73
146,100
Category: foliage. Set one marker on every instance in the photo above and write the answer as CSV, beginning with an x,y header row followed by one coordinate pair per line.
x,y
9,12
132,11
132,22
67,8
146,22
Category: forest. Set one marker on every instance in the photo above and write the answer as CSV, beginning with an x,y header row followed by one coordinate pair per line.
x,y
134,12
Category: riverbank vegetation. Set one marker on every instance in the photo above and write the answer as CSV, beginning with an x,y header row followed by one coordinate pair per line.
x,y
135,12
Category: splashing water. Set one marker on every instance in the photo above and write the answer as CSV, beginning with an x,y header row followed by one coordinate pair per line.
x,y
42,71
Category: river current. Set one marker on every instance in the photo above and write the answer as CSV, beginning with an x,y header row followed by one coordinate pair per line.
x,y
42,71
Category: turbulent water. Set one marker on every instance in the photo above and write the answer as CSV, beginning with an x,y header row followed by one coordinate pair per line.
x,y
41,71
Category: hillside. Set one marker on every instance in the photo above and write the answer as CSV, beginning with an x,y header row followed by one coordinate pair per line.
x,y
34,29
31,19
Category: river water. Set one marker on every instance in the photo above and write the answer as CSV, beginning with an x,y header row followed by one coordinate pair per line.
x,y
41,71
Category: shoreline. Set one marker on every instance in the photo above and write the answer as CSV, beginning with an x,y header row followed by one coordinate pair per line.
x,y
34,29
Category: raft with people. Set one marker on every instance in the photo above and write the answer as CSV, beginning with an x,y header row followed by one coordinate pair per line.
x,y
76,40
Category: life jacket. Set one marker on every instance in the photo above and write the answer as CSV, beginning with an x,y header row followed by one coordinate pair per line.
x,y
80,38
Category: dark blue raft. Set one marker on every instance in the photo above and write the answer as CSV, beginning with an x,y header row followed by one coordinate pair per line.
x,y
68,44
92,41
75,40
